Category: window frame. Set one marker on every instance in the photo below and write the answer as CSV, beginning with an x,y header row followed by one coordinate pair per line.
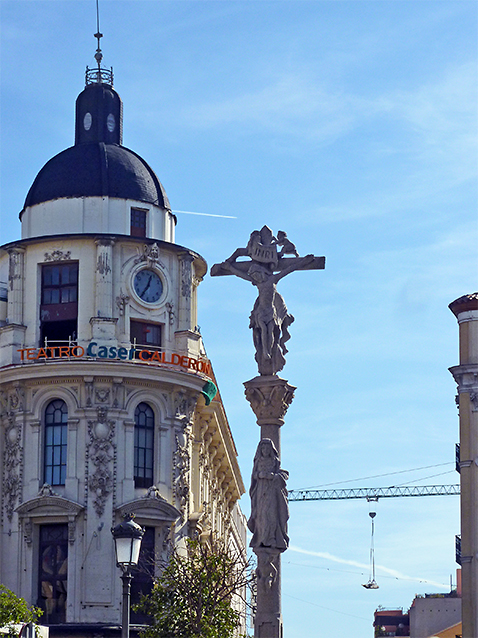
x,y
143,447
141,229
54,577
55,444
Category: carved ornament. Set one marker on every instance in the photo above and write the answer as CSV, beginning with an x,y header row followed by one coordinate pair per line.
x,y
269,398
101,458
58,255
12,465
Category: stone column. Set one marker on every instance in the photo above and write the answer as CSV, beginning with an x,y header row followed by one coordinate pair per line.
x,y
270,397
104,278
15,288
103,324
465,310
185,313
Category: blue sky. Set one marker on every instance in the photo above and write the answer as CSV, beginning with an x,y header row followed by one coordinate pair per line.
x,y
353,127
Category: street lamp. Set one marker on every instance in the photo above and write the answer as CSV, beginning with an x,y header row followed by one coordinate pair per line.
x,y
127,536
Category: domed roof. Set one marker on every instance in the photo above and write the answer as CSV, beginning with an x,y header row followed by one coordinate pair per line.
x,y
97,169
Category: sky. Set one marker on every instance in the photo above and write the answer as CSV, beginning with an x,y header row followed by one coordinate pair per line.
x,y
352,126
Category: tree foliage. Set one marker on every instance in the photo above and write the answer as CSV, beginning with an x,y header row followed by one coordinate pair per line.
x,y
194,595
14,610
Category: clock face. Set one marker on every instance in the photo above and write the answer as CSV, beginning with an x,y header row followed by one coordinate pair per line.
x,y
148,286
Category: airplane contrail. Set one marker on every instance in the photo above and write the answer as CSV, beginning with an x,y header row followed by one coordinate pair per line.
x,y
344,561
189,212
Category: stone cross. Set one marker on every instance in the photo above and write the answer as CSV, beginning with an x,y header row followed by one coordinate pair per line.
x,y
269,318
269,397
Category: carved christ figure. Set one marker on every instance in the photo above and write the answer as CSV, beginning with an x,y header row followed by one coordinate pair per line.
x,y
269,318
269,506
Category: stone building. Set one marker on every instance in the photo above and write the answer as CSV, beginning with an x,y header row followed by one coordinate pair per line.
x,y
107,399
465,374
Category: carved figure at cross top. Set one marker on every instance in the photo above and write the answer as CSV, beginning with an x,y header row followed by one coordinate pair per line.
x,y
269,318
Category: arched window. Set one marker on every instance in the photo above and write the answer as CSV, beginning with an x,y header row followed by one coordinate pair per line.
x,y
56,429
143,445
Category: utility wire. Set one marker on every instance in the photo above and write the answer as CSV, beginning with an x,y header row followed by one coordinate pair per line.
x,y
336,611
425,478
346,571
365,478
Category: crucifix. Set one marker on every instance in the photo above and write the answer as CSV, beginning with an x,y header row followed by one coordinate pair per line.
x,y
269,397
269,318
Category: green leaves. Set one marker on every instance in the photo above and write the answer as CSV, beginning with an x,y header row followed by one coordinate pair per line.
x,y
15,610
200,593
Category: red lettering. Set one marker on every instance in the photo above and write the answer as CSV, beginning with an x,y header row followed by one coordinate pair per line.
x,y
184,362
75,349
42,354
142,354
175,359
52,350
192,364
29,353
64,351
156,356
204,367
21,351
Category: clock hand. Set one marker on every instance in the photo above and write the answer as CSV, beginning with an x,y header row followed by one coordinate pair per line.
x,y
147,285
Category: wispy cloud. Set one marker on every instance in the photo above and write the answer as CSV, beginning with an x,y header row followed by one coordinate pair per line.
x,y
292,104
386,570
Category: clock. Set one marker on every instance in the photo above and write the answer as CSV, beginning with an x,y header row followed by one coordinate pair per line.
x,y
148,286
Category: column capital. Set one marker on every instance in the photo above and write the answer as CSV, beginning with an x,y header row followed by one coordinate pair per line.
x,y
270,397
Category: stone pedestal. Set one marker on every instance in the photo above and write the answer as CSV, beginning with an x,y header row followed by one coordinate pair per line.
x,y
270,397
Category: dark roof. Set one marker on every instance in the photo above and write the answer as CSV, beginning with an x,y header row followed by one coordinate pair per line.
x,y
97,169
462,304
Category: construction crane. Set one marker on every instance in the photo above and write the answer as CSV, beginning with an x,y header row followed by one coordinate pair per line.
x,y
374,493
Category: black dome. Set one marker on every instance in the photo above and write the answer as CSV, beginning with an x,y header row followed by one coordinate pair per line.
x,y
97,169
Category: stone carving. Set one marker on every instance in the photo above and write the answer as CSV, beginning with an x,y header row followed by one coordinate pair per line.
x,y
269,318
186,275
149,253
154,493
117,386
103,264
474,401
184,406
181,472
89,391
121,302
28,532
46,503
12,466
47,490
15,267
17,399
102,395
3,402
58,255
269,401
101,453
267,567
170,309
269,506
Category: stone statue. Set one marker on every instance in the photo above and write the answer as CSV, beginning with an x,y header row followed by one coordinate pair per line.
x,y
269,318
269,506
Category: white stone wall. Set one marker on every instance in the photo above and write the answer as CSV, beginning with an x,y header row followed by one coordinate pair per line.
x,y
197,481
83,215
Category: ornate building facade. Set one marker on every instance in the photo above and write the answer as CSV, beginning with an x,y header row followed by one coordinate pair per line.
x,y
107,399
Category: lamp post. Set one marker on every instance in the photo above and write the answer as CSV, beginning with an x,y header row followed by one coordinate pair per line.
x,y
127,536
